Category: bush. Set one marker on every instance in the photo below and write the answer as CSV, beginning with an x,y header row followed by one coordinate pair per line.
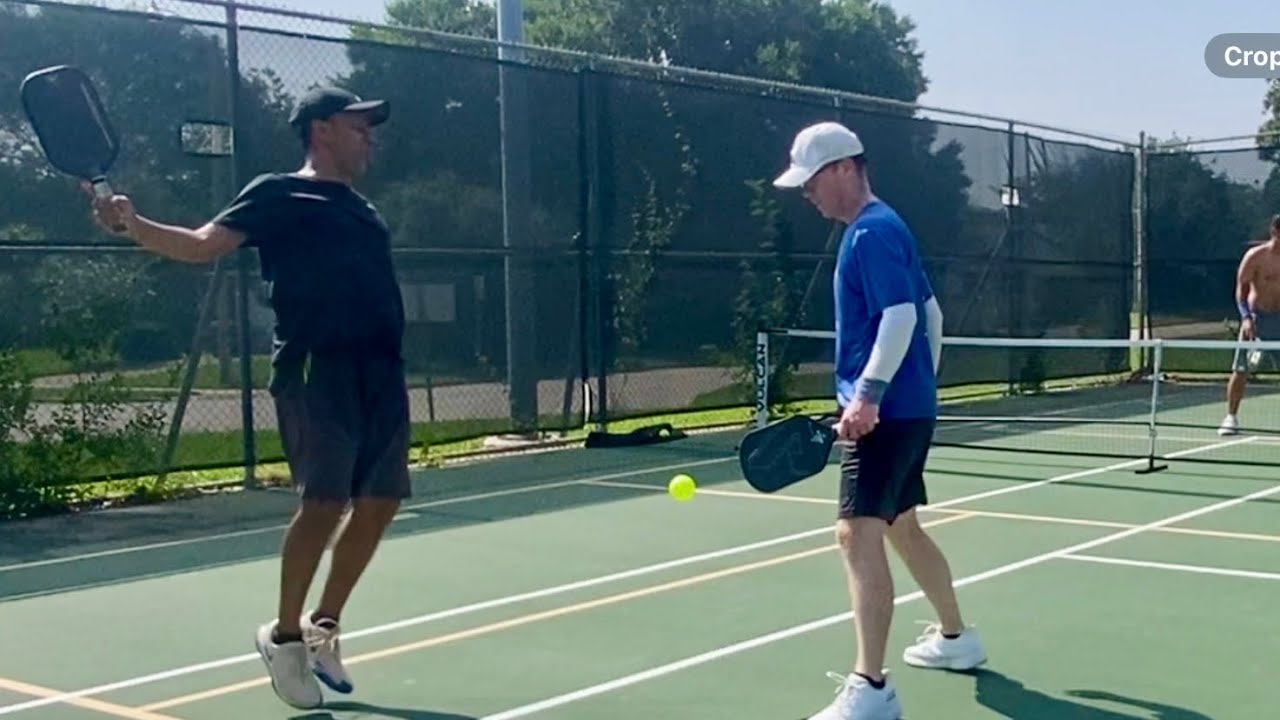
x,y
95,434
91,430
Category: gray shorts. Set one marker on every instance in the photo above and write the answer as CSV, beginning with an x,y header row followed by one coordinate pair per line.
x,y
1266,327
344,425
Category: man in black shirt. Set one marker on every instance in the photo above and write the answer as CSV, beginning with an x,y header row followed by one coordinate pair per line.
x,y
337,368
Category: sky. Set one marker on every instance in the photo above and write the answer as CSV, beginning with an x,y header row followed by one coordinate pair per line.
x,y
1111,67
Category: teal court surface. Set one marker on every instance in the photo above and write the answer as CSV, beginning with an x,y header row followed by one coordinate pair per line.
x,y
569,585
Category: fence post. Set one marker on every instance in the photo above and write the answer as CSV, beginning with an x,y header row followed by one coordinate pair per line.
x,y
1011,276
600,162
524,367
588,226
1139,320
242,265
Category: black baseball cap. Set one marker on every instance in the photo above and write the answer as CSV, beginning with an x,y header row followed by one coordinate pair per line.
x,y
323,103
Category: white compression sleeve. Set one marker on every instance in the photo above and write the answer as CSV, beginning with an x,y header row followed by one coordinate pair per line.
x,y
933,327
897,324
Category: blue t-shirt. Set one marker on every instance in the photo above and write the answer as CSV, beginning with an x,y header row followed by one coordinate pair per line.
x,y
878,267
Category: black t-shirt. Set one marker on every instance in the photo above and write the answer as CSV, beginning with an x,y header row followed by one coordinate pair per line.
x,y
326,255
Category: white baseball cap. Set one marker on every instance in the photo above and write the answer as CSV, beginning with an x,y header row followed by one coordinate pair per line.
x,y
815,147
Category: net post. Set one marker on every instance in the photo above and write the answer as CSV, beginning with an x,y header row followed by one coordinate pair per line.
x,y
249,441
762,378
1157,356
1138,311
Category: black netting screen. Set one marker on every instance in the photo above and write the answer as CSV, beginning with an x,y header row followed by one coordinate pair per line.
x,y
1203,211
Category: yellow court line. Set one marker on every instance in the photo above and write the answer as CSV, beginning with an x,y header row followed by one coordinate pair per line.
x,y
531,618
1171,530
122,711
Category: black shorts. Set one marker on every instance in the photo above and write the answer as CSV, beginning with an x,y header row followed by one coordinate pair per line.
x,y
882,475
344,424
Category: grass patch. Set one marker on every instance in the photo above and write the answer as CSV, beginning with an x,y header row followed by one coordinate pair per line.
x,y
38,362
208,374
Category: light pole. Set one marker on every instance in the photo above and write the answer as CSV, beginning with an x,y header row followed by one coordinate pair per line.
x,y
522,361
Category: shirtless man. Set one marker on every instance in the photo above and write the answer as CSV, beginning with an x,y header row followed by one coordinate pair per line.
x,y
1258,298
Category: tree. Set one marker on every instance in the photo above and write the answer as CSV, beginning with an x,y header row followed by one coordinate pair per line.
x,y
1269,131
852,45
85,312
684,159
182,74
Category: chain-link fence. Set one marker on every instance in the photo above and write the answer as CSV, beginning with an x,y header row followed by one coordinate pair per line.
x,y
623,272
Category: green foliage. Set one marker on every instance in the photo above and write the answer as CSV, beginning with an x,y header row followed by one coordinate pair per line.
x,y
662,191
1269,131
97,430
87,306
46,450
653,225
854,45
770,294
464,17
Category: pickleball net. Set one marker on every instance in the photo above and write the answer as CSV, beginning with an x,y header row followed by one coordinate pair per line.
x,y
1150,400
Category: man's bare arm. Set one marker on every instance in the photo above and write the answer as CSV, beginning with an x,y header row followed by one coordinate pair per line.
x,y
1244,284
192,245
199,245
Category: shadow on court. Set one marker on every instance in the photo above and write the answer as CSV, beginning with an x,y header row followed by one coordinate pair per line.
x,y
1011,698
365,710
57,554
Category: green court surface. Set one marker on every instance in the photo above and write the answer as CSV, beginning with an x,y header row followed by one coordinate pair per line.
x,y
568,585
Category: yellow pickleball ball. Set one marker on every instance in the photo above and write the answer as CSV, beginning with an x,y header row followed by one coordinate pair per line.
x,y
682,487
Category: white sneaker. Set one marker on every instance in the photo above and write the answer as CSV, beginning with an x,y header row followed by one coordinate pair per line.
x,y
290,672
932,650
326,653
1229,426
858,700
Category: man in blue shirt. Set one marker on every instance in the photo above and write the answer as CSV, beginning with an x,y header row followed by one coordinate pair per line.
x,y
888,343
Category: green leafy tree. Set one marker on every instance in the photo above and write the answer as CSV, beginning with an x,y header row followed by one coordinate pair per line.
x,y
79,314
685,163
181,75
1269,131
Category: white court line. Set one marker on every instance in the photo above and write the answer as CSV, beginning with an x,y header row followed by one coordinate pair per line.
x,y
416,506
1201,569
423,619
793,631
498,602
